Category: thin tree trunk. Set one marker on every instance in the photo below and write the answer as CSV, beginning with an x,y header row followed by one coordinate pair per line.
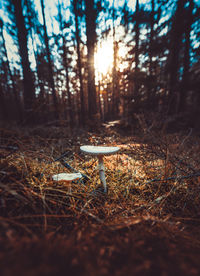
x,y
174,58
115,92
100,101
186,62
152,87
3,109
79,64
66,67
151,37
65,63
91,40
38,75
50,67
137,36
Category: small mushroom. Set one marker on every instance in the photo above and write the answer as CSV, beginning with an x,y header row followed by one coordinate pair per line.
x,y
67,178
100,152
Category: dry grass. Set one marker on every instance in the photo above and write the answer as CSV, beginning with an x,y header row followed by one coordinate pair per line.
x,y
147,224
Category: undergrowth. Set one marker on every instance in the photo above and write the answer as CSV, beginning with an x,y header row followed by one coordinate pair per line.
x,y
147,223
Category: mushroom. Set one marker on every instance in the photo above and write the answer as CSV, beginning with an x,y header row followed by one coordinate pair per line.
x,y
100,151
67,178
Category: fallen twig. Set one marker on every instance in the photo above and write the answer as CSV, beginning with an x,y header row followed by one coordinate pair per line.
x,y
175,178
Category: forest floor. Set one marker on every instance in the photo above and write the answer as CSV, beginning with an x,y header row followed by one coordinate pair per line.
x,y
147,224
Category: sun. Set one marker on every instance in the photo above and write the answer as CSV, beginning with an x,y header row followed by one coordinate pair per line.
x,y
103,58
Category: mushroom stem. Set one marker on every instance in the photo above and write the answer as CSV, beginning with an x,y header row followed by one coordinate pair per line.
x,y
70,189
102,172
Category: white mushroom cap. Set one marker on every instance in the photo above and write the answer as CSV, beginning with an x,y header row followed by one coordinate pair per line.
x,y
67,177
99,150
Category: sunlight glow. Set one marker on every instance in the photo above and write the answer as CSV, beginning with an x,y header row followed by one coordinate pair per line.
x,y
104,57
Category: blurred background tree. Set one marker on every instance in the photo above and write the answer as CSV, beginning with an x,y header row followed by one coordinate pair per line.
x,y
83,62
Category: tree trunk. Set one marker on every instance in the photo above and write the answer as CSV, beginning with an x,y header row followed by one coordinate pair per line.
x,y
66,67
152,87
91,40
115,92
31,24
174,56
137,36
65,63
3,110
79,64
50,67
151,37
186,61
14,89
28,82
